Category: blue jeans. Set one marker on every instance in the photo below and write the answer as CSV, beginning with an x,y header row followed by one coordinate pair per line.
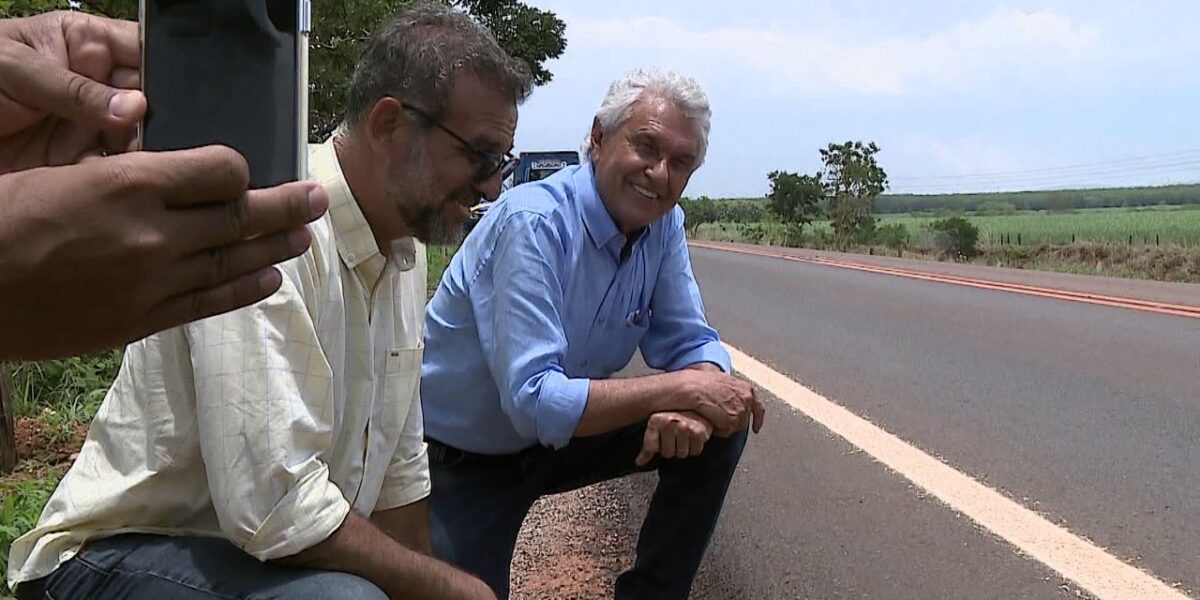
x,y
156,567
479,502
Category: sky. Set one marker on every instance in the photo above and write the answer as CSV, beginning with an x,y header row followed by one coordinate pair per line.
x,y
961,96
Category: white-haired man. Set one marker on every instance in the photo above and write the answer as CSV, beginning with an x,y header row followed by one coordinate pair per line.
x,y
547,299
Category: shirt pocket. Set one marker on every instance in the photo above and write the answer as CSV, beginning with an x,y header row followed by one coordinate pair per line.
x,y
622,340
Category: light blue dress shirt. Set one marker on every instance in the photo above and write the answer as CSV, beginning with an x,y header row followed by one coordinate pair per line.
x,y
538,302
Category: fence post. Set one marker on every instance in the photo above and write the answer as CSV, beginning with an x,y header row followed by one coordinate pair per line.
x,y
1131,240
1018,239
8,425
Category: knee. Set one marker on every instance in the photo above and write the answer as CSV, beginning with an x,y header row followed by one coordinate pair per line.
x,y
727,450
342,586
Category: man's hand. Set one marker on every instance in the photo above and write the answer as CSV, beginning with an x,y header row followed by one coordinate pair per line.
x,y
725,401
108,251
68,89
674,435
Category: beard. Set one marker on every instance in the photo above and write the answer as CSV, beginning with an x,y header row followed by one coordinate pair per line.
x,y
430,218
431,224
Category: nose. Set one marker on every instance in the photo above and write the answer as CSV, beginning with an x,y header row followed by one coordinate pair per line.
x,y
658,173
489,188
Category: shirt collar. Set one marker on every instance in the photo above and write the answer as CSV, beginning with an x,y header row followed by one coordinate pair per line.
x,y
355,241
599,224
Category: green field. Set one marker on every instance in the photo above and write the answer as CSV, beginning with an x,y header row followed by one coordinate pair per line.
x,y
1171,225
1167,225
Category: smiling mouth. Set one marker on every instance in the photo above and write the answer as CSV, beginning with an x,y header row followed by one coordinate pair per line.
x,y
649,195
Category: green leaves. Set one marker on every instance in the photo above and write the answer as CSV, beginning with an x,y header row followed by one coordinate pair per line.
x,y
795,199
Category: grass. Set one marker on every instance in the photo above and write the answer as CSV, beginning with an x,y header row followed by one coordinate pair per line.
x,y
439,259
61,397
1179,225
1167,225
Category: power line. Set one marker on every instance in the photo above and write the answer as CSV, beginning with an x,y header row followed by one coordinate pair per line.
x,y
1088,166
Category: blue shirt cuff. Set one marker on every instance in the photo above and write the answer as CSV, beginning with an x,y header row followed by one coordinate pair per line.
x,y
712,352
560,406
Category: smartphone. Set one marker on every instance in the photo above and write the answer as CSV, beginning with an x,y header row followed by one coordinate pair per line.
x,y
231,72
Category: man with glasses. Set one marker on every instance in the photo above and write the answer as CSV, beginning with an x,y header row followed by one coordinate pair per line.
x,y
277,451
546,300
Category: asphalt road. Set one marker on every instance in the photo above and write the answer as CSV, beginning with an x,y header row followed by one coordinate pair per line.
x,y
1089,415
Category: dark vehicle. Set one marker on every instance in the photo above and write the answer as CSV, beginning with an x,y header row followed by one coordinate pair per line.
x,y
531,166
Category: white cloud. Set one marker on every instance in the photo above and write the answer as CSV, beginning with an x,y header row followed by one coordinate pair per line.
x,y
1004,47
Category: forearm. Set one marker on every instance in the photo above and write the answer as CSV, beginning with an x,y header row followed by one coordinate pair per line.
x,y
408,525
361,548
616,403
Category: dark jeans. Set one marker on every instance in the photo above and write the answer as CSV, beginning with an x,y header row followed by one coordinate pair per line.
x,y
155,567
479,502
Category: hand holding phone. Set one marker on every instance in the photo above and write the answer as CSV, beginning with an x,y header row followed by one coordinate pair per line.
x,y
68,89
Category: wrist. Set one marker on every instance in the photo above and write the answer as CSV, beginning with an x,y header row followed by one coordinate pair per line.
x,y
679,396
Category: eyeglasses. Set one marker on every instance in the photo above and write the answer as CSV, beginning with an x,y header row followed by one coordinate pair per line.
x,y
490,163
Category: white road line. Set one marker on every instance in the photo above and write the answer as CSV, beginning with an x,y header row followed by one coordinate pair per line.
x,y
1079,560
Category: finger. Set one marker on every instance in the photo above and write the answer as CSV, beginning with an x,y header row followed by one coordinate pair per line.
x,y
43,85
668,443
683,445
126,78
650,447
760,414
698,445
122,139
185,178
215,267
257,213
200,304
119,37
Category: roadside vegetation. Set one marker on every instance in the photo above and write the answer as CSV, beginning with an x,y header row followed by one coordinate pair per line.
x,y
1145,233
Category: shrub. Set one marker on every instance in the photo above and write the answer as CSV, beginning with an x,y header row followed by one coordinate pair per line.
x,y
955,238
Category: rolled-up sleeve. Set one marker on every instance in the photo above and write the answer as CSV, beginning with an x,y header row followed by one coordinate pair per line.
x,y
522,335
679,334
264,402
407,478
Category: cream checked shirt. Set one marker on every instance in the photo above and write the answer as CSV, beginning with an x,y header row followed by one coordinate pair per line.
x,y
266,425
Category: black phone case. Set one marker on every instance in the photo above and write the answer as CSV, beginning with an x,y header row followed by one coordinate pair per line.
x,y
228,72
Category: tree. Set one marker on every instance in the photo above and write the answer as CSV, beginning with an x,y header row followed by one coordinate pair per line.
x,y
853,180
341,27
794,198
528,33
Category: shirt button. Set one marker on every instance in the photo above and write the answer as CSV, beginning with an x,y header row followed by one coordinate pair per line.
x,y
352,256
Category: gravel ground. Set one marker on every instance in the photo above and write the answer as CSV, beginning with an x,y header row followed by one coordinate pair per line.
x,y
573,545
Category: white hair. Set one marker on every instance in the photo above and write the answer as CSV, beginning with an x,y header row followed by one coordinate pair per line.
x,y
683,91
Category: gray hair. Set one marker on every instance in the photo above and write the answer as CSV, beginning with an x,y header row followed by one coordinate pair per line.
x,y
416,54
680,89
